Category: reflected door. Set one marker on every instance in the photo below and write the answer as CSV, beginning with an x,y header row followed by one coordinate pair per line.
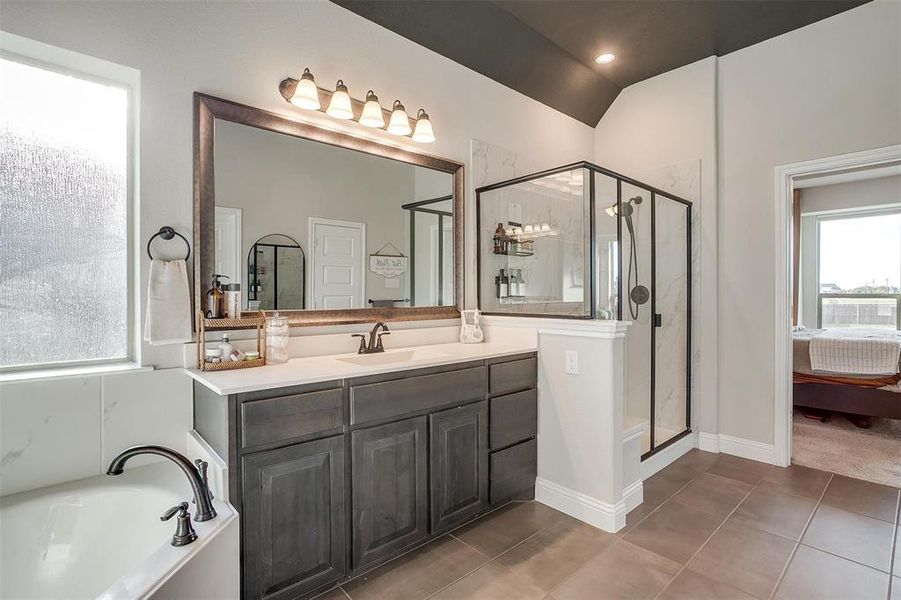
x,y
337,264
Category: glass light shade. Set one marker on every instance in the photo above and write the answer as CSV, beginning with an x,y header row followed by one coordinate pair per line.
x,y
372,112
340,107
306,94
611,210
423,132
399,124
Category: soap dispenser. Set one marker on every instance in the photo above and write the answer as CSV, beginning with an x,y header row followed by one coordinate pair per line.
x,y
215,299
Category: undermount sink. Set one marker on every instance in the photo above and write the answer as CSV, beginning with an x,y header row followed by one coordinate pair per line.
x,y
387,358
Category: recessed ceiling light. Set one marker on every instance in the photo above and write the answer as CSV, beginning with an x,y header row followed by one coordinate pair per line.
x,y
605,59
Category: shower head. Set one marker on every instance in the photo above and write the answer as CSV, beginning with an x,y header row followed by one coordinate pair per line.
x,y
627,208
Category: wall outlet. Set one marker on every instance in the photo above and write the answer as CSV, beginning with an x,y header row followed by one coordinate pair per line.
x,y
572,362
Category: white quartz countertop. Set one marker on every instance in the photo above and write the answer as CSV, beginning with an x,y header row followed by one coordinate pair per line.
x,y
312,369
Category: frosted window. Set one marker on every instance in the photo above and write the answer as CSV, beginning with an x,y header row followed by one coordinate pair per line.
x,y
63,218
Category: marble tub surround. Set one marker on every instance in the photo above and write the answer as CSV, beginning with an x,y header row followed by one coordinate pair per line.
x,y
58,430
313,369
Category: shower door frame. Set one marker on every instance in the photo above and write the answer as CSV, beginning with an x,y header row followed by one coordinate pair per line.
x,y
655,448
592,245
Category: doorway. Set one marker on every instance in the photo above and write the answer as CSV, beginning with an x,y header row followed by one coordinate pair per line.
x,y
337,264
821,305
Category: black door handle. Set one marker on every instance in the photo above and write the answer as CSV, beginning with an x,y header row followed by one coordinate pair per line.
x,y
658,320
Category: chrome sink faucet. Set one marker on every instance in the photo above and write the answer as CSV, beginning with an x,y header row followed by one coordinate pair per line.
x,y
375,339
196,475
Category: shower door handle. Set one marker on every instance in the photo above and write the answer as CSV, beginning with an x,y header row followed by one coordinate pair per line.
x,y
658,320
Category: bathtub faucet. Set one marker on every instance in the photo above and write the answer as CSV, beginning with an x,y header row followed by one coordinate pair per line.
x,y
196,475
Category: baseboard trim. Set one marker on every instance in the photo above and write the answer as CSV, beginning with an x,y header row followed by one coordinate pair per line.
x,y
747,449
603,515
709,442
727,444
633,495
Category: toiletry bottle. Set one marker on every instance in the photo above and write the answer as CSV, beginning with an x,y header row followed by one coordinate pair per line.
x,y
499,239
514,283
497,287
505,286
215,299
232,300
225,348
522,283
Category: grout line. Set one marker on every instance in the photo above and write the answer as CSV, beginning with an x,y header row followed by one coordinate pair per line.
x,y
345,592
794,551
489,561
710,537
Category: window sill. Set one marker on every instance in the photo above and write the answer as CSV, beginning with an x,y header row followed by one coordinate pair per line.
x,y
82,371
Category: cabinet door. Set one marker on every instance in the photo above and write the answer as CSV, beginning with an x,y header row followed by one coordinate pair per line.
x,y
390,502
293,519
459,464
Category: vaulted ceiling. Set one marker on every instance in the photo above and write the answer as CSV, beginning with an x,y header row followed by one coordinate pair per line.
x,y
545,49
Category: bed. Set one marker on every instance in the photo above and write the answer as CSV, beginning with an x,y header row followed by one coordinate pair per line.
x,y
859,393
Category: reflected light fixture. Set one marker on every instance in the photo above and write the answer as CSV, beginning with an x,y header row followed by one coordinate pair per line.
x,y
423,133
372,111
306,94
605,59
399,124
340,107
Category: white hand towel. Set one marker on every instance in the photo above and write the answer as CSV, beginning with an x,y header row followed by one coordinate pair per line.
x,y
168,316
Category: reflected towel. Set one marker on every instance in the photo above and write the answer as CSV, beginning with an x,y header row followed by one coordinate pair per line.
x,y
168,316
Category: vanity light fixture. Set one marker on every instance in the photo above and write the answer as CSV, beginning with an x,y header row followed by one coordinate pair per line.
x,y
423,133
372,112
400,122
306,94
605,59
340,107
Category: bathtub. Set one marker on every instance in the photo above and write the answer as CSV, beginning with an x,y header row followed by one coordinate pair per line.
x,y
102,537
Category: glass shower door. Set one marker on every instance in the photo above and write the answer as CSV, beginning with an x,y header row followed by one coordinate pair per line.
x,y
671,313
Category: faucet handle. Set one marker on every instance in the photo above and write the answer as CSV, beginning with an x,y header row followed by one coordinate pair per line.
x,y
379,345
184,531
181,509
362,348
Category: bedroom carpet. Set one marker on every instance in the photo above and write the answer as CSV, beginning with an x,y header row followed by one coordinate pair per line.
x,y
871,454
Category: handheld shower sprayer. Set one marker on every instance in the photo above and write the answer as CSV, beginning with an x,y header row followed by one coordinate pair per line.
x,y
638,294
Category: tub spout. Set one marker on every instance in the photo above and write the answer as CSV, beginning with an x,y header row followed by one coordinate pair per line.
x,y
202,496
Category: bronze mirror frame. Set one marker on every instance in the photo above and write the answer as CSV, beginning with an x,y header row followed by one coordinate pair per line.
x,y
209,108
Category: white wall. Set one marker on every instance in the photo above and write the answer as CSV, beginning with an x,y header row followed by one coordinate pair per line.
x,y
853,195
826,89
653,130
241,52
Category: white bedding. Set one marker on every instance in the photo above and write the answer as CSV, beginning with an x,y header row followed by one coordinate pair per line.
x,y
856,350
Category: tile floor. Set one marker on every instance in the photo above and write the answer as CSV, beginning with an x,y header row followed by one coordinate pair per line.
x,y
712,526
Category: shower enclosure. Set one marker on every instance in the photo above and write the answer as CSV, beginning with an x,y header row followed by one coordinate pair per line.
x,y
583,242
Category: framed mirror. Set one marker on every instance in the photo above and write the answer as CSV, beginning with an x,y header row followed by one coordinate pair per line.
x,y
324,227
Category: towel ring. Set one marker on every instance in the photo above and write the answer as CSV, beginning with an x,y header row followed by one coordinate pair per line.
x,y
167,233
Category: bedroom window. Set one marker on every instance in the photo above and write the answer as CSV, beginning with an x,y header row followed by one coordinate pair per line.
x,y
65,210
860,270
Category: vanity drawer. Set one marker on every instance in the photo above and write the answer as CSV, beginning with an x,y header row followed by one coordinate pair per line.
x,y
290,417
513,418
400,397
513,471
513,376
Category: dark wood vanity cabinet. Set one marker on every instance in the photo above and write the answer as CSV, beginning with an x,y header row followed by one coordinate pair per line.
x,y
458,455
390,501
293,518
331,479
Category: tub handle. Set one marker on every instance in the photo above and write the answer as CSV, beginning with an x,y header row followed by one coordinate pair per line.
x,y
184,531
